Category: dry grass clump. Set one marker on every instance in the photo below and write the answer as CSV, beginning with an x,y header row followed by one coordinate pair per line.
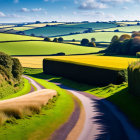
x,y
25,105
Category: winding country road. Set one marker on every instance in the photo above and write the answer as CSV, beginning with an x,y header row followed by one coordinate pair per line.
x,y
103,120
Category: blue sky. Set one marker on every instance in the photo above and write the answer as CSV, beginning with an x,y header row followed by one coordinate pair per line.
x,y
68,10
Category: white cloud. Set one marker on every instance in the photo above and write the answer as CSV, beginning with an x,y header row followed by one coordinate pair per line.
x,y
36,9
99,4
25,10
2,14
92,4
31,10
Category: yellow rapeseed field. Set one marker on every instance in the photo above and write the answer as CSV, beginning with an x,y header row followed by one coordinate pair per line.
x,y
109,62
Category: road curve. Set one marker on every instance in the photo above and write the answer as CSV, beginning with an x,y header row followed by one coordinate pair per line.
x,y
33,82
103,120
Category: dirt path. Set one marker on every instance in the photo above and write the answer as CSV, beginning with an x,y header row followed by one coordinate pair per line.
x,y
103,120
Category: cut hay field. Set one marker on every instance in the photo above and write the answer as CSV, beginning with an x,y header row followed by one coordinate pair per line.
x,y
12,37
25,105
22,28
107,62
43,48
99,36
42,24
125,23
6,26
125,29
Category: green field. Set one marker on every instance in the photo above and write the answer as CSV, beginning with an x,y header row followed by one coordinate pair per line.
x,y
12,37
99,36
43,48
125,28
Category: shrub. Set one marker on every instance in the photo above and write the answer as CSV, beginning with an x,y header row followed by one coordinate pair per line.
x,y
134,34
17,69
5,73
73,40
93,39
47,39
138,54
124,37
84,42
55,40
134,78
60,40
114,38
92,44
6,61
116,30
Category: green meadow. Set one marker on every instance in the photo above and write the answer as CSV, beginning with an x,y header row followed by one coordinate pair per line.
x,y
99,36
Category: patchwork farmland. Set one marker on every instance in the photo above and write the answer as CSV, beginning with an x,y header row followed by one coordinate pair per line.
x,y
60,83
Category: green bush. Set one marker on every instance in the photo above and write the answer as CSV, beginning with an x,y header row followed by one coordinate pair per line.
x,y
124,37
93,39
60,40
92,44
5,73
17,69
134,78
138,54
84,42
55,40
47,39
6,61
114,38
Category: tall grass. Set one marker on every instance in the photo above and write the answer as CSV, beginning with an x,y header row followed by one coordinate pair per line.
x,y
25,105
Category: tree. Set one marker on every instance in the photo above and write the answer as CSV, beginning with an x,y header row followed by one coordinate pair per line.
x,y
114,38
134,34
93,39
47,39
60,40
124,37
17,69
84,42
73,40
32,34
92,44
55,40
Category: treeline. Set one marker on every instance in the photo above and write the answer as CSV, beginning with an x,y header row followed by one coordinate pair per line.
x,y
125,44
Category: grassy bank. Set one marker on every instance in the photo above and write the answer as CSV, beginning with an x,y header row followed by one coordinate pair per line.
x,y
26,87
41,126
117,94
9,91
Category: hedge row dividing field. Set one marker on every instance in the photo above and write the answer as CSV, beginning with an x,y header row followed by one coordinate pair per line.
x,y
95,70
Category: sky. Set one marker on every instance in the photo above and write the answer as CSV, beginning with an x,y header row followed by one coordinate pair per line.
x,y
68,10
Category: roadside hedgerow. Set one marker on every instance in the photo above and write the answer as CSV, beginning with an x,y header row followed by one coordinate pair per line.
x,y
134,78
